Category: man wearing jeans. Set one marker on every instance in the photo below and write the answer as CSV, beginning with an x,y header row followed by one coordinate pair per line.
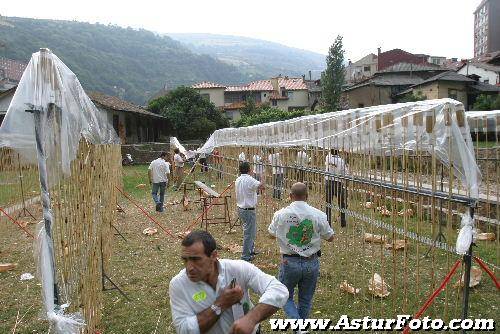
x,y
299,229
158,177
246,200
277,170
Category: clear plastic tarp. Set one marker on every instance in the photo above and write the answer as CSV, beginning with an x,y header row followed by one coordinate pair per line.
x,y
46,119
434,126
49,86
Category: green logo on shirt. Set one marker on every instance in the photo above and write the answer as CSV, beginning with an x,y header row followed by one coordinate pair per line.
x,y
200,296
301,234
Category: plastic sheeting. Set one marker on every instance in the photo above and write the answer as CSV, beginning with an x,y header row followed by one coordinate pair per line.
x,y
484,121
50,87
47,117
435,126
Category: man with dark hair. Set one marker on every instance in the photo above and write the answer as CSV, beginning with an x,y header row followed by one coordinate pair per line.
x,y
299,229
179,167
246,200
334,186
158,177
211,295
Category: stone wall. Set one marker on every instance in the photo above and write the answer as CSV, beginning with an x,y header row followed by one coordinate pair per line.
x,y
146,152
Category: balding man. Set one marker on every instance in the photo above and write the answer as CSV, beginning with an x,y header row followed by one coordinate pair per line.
x,y
299,229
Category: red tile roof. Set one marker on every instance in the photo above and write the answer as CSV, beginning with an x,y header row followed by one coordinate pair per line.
x,y
206,84
12,69
266,85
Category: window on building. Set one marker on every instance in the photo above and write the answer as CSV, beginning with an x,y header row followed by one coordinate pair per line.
x,y
206,96
361,105
453,93
283,92
366,68
486,81
274,103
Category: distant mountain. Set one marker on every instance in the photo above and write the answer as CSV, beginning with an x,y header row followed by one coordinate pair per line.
x,y
129,63
255,57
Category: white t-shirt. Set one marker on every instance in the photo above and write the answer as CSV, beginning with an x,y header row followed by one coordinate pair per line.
x,y
188,298
258,167
299,229
275,161
159,169
178,161
336,165
242,157
302,159
246,191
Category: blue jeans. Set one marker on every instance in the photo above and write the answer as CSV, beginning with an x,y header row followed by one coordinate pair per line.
x,y
249,222
154,192
301,272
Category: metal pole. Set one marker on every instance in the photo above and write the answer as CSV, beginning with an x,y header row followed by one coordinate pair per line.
x,y
467,263
44,187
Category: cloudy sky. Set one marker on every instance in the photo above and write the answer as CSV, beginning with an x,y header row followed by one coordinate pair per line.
x,y
435,27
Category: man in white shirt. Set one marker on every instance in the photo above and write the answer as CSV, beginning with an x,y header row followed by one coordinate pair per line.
x,y
179,167
335,186
242,157
258,167
158,177
246,200
277,171
301,163
211,295
299,229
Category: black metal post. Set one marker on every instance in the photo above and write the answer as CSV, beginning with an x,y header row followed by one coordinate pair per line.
x,y
44,187
468,264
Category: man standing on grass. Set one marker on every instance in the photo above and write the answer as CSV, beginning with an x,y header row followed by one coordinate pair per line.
x,y
334,186
179,167
158,177
211,295
246,200
299,229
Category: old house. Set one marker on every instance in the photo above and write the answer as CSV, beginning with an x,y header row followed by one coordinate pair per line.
x,y
211,91
285,93
385,85
362,69
487,73
452,85
132,123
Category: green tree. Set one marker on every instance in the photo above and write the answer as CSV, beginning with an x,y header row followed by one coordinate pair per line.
x,y
486,102
333,79
413,97
268,114
190,115
249,107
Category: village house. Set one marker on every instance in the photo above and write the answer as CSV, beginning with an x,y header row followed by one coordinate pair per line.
x,y
384,85
452,85
486,67
285,93
132,123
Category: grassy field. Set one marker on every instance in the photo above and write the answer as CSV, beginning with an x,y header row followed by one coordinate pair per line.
x,y
143,265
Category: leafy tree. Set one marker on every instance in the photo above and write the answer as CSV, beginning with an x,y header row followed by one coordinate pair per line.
x,y
413,97
249,107
268,114
190,115
333,79
486,102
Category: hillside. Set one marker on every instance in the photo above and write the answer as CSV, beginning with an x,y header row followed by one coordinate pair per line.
x,y
126,62
255,57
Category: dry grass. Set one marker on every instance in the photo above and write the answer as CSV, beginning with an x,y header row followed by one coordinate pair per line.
x,y
143,266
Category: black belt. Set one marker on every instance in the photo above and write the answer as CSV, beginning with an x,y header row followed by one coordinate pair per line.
x,y
246,208
318,253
